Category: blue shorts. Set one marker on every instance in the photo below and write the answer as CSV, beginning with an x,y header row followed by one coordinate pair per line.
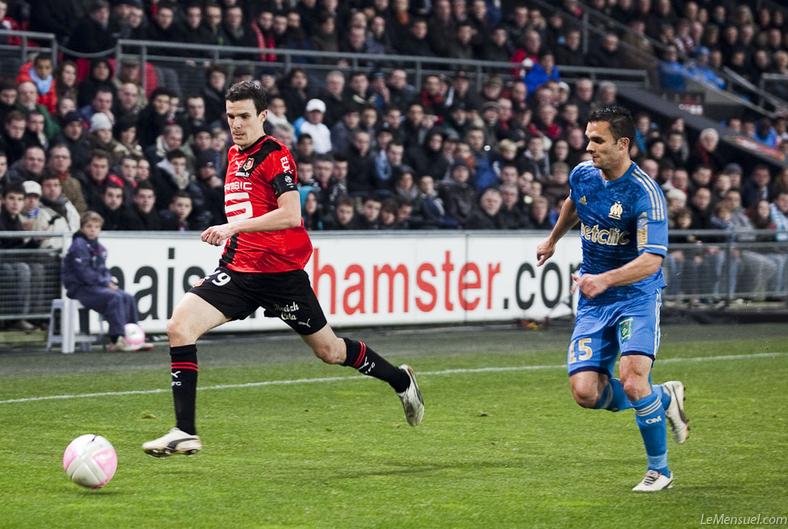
x,y
604,330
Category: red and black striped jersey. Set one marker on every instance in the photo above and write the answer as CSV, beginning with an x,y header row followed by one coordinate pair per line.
x,y
255,178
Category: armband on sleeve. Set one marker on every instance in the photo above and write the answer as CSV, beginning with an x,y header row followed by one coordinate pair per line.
x,y
283,183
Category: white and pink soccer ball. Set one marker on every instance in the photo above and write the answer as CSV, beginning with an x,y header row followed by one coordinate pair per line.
x,y
134,335
90,461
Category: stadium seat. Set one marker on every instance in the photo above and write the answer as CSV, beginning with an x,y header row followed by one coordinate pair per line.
x,y
67,324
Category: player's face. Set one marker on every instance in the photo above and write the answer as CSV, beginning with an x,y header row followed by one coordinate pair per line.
x,y
246,125
606,153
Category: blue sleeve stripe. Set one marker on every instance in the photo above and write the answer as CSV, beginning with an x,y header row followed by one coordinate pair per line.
x,y
655,195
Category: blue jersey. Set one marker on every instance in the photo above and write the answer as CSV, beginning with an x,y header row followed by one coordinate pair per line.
x,y
620,220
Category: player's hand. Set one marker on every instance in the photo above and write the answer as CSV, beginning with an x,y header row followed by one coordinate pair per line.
x,y
544,251
590,285
216,235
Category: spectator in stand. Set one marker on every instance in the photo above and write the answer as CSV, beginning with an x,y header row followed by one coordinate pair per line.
x,y
59,163
370,214
543,71
144,216
706,152
539,214
91,34
312,124
30,167
100,137
74,136
26,279
39,72
459,197
757,186
487,215
361,164
27,104
66,80
344,216
114,210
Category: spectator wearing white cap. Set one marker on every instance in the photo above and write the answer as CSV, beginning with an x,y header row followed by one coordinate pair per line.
x,y
312,124
31,211
100,137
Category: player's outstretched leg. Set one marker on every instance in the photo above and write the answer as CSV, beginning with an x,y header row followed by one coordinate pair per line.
x,y
192,318
650,418
358,355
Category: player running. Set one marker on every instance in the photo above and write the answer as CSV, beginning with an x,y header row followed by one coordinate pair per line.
x,y
262,265
624,232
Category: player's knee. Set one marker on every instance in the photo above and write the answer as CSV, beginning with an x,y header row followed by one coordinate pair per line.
x,y
178,331
585,395
328,352
635,386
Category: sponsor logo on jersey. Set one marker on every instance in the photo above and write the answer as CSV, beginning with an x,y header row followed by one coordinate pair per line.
x,y
245,168
237,186
608,237
616,210
625,329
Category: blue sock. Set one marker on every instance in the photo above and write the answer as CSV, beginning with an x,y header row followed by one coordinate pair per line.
x,y
613,397
664,396
650,418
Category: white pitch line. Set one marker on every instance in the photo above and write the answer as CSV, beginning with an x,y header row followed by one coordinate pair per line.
x,y
443,372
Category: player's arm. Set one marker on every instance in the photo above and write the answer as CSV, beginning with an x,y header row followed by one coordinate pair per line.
x,y
286,215
652,245
566,221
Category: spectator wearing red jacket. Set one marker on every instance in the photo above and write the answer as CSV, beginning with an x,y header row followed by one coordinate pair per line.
x,y
39,72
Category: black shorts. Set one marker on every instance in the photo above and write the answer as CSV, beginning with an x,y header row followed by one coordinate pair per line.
x,y
286,295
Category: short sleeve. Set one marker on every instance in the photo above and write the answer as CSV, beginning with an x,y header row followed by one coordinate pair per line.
x,y
652,223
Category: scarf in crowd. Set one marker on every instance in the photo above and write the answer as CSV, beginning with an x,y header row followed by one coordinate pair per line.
x,y
42,85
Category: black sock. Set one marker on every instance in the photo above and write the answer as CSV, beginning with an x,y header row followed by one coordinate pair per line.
x,y
370,363
184,385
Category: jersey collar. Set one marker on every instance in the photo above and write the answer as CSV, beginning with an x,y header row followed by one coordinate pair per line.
x,y
627,174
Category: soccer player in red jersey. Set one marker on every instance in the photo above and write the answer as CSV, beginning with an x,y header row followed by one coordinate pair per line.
x,y
265,250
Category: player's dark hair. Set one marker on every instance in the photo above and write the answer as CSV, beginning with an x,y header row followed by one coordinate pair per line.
x,y
248,90
619,119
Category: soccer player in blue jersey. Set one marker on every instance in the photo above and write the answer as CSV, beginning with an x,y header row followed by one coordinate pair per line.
x,y
624,233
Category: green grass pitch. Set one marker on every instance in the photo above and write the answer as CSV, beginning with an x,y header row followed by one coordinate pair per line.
x,y
498,448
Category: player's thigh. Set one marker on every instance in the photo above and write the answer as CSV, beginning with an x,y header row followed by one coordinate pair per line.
x,y
193,316
289,297
637,328
593,346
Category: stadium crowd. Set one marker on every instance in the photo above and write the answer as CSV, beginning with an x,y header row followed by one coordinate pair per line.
x,y
374,151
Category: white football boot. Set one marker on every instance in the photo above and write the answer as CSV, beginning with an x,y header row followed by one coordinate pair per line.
x,y
412,401
654,481
176,441
679,423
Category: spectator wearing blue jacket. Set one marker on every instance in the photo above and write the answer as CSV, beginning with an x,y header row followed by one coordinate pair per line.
x,y
672,74
543,71
87,279
701,71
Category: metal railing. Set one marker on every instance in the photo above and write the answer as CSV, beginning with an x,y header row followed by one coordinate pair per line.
x,y
30,277
723,266
319,61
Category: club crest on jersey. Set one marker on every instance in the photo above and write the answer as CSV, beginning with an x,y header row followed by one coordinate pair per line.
x,y
583,200
244,170
616,210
